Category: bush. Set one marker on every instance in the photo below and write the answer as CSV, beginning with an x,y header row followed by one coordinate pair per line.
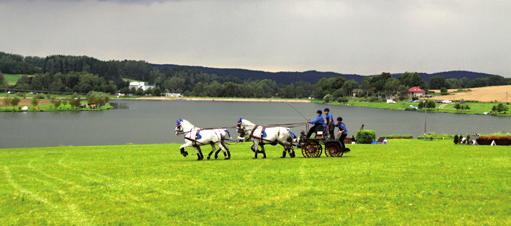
x,y
436,136
499,108
399,136
35,102
74,101
327,98
461,107
56,102
366,136
15,101
39,96
342,100
373,99
97,98
427,104
443,91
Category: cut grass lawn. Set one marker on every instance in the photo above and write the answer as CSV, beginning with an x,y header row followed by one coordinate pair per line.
x,y
12,78
477,108
405,182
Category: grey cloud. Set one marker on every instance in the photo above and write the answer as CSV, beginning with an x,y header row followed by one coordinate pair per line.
x,y
357,36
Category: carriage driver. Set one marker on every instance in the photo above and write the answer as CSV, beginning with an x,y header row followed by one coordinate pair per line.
x,y
343,130
330,124
318,123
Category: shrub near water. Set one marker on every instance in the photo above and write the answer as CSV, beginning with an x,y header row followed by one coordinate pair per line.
x,y
366,136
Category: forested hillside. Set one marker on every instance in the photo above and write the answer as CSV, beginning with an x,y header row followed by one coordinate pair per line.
x,y
83,74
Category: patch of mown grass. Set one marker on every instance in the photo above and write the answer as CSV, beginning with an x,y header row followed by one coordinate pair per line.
x,y
12,78
477,108
405,182
52,108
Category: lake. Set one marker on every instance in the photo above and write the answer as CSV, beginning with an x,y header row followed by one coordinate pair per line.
x,y
154,122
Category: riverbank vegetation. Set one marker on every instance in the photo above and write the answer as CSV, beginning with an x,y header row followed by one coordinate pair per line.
x,y
466,107
82,74
404,182
93,101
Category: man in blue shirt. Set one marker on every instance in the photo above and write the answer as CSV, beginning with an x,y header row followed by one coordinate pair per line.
x,y
343,130
330,124
318,123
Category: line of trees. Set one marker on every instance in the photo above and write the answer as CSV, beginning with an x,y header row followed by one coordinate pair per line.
x,y
78,82
83,74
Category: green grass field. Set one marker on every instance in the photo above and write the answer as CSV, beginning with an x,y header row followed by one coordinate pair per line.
x,y
12,78
475,107
406,182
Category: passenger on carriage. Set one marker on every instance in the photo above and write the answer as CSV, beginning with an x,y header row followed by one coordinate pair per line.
x,y
343,130
330,124
318,123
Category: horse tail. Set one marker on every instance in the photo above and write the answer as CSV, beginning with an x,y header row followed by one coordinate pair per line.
x,y
228,135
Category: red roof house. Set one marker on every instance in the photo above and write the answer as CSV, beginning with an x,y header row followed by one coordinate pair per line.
x,y
416,91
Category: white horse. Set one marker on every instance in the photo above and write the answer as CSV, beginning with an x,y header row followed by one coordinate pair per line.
x,y
261,135
196,137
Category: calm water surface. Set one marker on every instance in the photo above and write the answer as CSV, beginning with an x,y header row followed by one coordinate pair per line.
x,y
154,121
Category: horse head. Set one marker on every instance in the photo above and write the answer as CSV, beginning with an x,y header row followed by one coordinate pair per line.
x,y
183,126
244,126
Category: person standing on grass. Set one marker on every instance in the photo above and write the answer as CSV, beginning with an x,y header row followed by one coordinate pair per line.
x,y
330,124
318,123
343,130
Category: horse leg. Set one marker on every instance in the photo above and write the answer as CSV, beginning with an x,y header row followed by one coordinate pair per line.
x,y
224,148
219,149
254,149
211,152
216,153
284,152
227,150
182,149
263,151
199,153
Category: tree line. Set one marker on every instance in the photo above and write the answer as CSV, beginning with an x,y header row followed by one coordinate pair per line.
x,y
82,74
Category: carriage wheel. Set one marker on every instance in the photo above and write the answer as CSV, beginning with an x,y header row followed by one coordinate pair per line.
x,y
334,149
312,149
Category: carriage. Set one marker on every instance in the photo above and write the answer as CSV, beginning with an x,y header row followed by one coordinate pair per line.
x,y
313,147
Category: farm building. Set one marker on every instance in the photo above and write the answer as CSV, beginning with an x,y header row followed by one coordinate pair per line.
x,y
416,91
140,85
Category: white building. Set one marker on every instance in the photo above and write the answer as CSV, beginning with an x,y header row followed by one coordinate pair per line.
x,y
173,95
140,85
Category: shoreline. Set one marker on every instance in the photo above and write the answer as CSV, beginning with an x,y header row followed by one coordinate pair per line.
x,y
219,99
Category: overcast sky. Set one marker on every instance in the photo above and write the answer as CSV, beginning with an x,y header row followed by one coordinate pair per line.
x,y
349,36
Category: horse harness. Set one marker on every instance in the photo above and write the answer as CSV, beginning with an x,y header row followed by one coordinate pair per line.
x,y
196,141
261,138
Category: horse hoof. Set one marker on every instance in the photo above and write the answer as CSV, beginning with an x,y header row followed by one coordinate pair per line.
x,y
227,158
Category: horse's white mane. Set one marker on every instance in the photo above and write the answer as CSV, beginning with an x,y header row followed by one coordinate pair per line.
x,y
246,122
186,124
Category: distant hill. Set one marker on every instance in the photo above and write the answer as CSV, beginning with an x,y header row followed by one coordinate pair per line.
x,y
309,76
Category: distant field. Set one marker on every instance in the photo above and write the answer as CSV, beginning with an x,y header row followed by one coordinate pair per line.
x,y
483,94
12,78
407,182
